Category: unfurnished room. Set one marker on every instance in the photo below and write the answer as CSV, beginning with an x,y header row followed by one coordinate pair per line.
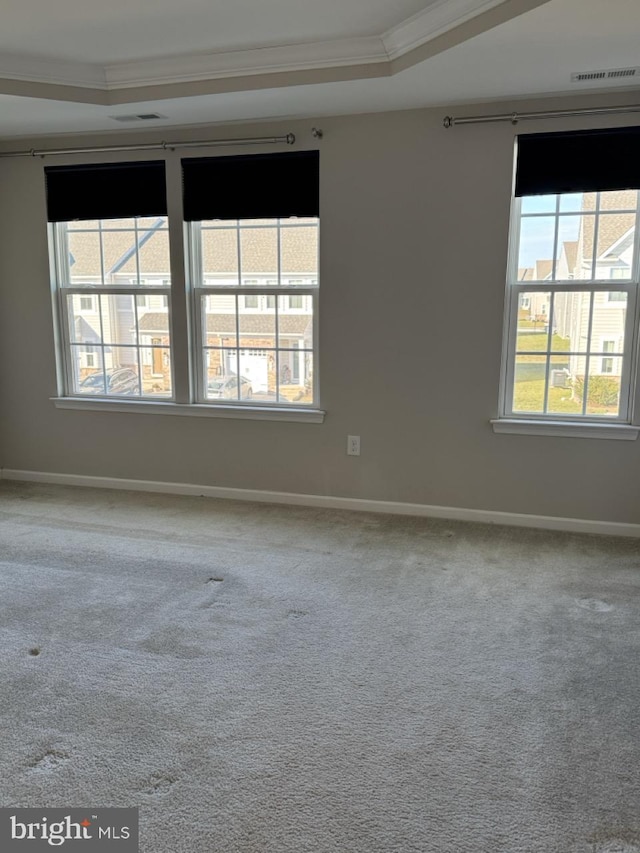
x,y
319,416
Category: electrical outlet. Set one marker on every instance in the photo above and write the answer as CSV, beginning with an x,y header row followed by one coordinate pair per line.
x,y
353,445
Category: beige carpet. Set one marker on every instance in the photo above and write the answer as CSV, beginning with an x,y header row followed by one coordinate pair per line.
x,y
267,679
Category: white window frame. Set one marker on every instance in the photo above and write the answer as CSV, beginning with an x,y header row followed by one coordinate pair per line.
x,y
62,288
626,424
200,288
187,373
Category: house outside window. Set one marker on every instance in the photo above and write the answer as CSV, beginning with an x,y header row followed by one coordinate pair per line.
x,y
572,296
114,294
255,335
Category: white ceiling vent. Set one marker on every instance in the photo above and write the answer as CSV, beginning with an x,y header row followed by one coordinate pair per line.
x,y
137,117
613,74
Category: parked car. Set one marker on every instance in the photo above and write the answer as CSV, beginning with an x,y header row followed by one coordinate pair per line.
x,y
121,381
226,387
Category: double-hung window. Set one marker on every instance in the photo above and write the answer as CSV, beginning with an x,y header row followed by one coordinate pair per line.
x,y
110,238
253,250
570,350
249,234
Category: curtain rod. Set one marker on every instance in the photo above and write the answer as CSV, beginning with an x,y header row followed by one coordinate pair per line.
x,y
514,118
153,146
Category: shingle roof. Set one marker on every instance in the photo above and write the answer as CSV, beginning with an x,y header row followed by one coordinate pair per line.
x,y
611,226
543,269
225,324
525,274
298,246
571,253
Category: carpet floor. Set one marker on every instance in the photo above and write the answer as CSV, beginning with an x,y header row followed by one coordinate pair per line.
x,y
268,679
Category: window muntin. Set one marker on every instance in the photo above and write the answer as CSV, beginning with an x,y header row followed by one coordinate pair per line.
x,y
255,292
113,286
572,295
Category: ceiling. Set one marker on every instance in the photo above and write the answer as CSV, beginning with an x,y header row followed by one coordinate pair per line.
x,y
71,66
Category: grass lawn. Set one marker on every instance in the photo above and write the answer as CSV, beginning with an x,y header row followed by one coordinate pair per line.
x,y
529,397
538,343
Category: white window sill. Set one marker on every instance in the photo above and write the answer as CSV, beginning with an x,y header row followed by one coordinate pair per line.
x,y
198,410
565,429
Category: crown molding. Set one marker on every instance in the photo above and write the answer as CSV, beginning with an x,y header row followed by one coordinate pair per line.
x,y
432,22
171,76
244,63
51,71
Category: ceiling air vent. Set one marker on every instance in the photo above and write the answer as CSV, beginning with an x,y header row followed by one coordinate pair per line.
x,y
137,117
613,74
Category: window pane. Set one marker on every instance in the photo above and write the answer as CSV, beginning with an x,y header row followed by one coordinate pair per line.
x,y
119,253
529,382
539,204
609,321
575,202
571,321
299,251
615,245
220,254
537,235
83,225
568,247
117,376
259,252
561,398
83,257
118,319
295,325
222,374
153,252
603,393
257,327
533,320
296,376
156,371
147,222
87,370
257,373
219,318
84,321
619,200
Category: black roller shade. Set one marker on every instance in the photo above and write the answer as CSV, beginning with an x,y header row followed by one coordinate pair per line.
x,y
106,191
262,186
580,161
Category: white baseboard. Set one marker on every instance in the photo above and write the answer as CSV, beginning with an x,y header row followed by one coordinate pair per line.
x,y
512,519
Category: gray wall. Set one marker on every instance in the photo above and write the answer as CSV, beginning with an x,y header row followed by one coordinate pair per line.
x,y
413,258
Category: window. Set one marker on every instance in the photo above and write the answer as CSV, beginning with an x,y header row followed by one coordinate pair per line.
x,y
253,251
254,335
252,255
572,286
607,365
86,303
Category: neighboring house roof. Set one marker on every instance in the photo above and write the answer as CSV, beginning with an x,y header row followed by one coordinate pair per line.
x,y
571,253
543,269
611,226
615,230
298,246
225,324
525,274
620,246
